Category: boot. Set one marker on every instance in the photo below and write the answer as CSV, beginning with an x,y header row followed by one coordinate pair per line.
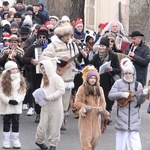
x,y
52,148
6,140
37,119
15,140
42,146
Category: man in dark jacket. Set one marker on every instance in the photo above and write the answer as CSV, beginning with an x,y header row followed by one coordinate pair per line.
x,y
140,55
43,10
32,70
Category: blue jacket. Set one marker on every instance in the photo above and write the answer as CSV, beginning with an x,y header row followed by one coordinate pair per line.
x,y
44,11
78,35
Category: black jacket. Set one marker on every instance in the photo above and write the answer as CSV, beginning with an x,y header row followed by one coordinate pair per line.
x,y
140,60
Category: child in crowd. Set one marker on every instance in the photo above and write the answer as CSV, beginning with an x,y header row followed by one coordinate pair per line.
x,y
129,95
52,112
91,103
12,93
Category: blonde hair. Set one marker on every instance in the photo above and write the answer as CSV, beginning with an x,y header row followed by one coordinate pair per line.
x,y
7,85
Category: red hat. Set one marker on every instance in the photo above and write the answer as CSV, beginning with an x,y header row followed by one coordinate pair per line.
x,y
103,25
42,31
6,36
48,23
78,22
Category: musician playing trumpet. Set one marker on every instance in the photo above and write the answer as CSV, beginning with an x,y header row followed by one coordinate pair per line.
x,y
128,118
12,52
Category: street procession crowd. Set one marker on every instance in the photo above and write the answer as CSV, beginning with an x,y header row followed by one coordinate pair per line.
x,y
50,66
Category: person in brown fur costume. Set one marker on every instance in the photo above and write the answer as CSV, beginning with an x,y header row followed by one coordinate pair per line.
x,y
91,103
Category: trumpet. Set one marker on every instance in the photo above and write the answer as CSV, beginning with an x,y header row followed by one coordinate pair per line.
x,y
10,56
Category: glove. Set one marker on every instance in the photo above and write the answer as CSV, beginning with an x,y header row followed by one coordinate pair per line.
x,y
62,63
87,108
13,102
100,110
82,112
69,85
145,91
125,94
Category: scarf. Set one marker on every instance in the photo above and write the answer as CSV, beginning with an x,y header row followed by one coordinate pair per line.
x,y
103,56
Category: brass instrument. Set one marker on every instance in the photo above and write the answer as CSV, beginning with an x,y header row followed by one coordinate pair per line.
x,y
10,56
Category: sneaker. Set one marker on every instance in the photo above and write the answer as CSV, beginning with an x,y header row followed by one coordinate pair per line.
x,y
25,107
30,112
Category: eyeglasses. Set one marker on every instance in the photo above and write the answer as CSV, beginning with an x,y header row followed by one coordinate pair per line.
x,y
42,37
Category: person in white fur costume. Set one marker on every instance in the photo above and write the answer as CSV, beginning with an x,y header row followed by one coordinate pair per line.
x,y
63,48
12,93
52,112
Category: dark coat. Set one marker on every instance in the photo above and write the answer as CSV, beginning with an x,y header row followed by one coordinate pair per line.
x,y
106,80
35,78
79,35
140,60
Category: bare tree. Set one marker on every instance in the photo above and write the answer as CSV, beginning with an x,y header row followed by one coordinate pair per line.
x,y
139,17
72,8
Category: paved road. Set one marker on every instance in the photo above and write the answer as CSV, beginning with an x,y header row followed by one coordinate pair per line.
x,y
70,138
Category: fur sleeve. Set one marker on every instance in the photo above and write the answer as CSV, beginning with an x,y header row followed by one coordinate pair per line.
x,y
79,99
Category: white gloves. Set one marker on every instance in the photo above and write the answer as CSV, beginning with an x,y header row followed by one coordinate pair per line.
x,y
69,85
125,94
145,91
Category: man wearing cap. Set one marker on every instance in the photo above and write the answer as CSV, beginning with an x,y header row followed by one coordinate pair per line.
x,y
62,47
24,33
14,27
6,37
79,33
43,10
54,20
31,64
18,19
20,8
5,7
140,55
38,14
12,52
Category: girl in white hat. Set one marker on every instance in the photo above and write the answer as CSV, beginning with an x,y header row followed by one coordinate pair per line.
x,y
12,93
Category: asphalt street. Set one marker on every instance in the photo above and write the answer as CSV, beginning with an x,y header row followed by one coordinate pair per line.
x,y
70,138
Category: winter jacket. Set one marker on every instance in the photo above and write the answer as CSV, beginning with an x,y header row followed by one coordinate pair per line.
x,y
5,107
140,60
56,88
106,80
58,48
78,35
128,117
20,11
44,11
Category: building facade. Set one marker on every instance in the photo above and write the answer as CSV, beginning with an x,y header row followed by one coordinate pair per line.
x,y
102,11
